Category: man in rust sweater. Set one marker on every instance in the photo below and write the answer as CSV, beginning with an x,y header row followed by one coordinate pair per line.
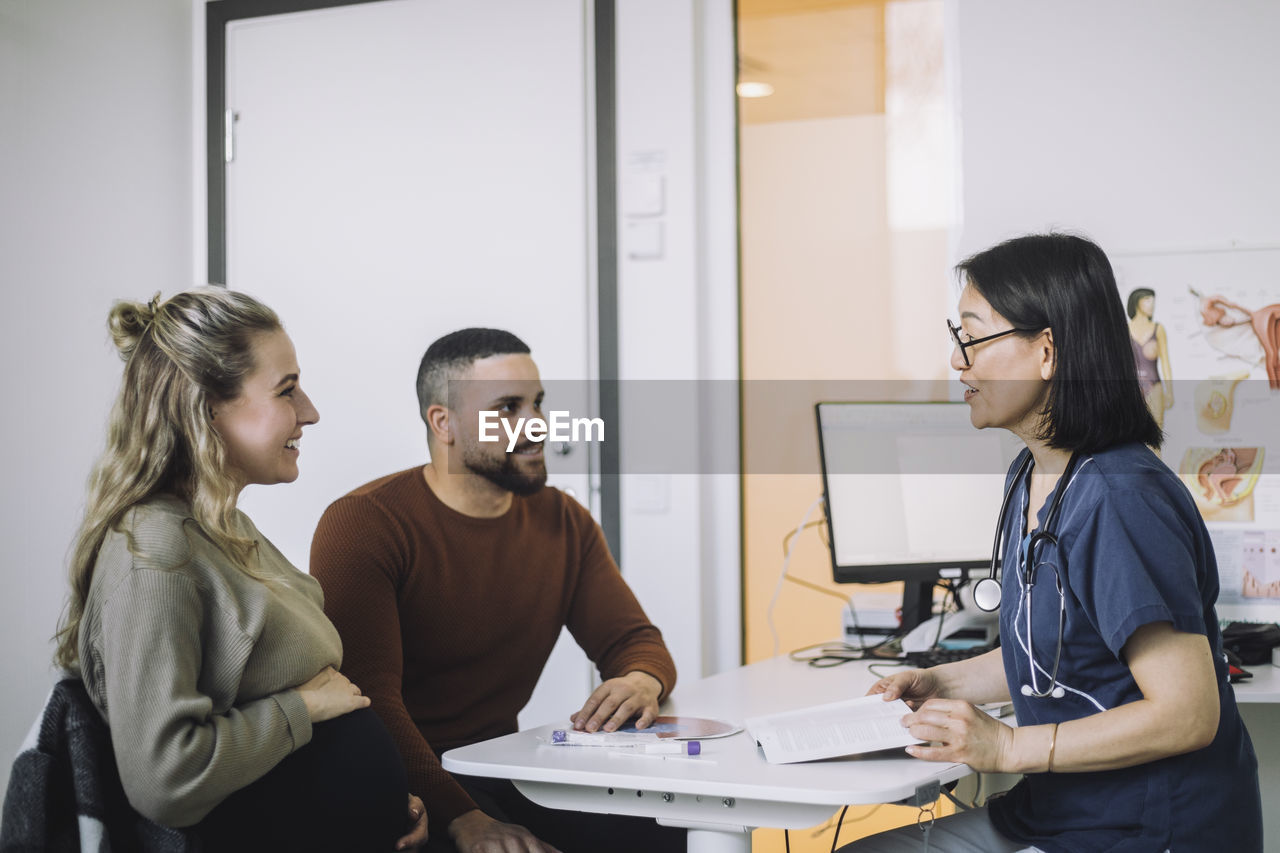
x,y
450,583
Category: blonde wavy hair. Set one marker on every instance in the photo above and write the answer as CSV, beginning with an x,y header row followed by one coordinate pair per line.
x,y
182,357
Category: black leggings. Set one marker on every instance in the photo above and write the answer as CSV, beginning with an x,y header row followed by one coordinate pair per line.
x,y
568,832
344,792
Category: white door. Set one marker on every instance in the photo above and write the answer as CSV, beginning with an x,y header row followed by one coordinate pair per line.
x,y
400,170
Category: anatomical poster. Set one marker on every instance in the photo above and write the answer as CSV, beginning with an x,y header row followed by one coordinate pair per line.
x,y
1205,339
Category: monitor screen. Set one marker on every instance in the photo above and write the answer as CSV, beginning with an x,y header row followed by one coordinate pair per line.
x,y
912,489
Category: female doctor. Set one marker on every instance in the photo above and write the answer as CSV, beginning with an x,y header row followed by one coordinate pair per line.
x,y
1128,732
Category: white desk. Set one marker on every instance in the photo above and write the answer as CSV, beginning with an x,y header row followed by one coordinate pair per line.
x,y
1263,688
720,797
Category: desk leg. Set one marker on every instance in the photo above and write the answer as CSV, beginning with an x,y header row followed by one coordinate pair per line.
x,y
715,838
1263,722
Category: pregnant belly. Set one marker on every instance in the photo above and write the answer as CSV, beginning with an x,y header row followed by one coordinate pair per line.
x,y
343,792
357,779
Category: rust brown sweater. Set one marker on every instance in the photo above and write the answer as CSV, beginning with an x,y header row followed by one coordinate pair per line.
x,y
448,620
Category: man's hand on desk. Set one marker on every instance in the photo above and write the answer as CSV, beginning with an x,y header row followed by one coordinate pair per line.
x,y
618,700
476,832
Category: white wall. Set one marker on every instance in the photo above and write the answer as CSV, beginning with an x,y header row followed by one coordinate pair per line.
x,y
678,315
95,204
1145,125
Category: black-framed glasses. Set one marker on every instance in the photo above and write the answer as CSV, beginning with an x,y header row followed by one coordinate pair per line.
x,y
964,345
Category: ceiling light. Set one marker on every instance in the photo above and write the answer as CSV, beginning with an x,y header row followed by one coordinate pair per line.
x,y
749,89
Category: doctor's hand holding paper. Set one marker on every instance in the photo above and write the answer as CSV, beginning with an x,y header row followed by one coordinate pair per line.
x,y
955,729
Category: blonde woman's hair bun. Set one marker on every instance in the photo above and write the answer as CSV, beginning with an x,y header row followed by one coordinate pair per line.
x,y
129,321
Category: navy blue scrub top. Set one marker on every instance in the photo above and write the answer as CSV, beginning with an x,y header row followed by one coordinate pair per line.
x,y
1132,549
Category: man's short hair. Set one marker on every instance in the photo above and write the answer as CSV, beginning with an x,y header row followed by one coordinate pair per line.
x,y
451,355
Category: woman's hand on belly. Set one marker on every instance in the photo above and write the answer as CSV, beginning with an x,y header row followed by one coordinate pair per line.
x,y
331,694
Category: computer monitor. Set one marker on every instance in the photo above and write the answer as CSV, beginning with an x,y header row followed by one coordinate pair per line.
x,y
912,493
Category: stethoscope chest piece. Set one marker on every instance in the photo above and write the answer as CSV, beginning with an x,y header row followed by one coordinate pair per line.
x,y
986,594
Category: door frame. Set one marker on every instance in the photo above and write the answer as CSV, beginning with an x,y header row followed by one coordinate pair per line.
x,y
219,13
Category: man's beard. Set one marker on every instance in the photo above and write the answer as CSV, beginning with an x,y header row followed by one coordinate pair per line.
x,y
505,474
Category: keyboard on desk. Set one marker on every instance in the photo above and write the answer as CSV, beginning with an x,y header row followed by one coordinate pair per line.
x,y
936,657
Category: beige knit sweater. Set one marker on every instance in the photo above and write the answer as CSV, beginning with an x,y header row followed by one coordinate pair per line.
x,y
192,662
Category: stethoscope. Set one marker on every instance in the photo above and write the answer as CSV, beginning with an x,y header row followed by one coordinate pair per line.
x,y
986,593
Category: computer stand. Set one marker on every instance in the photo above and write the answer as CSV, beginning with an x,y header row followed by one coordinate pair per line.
x,y
917,602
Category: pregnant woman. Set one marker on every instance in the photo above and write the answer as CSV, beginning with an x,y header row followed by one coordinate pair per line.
x,y
206,652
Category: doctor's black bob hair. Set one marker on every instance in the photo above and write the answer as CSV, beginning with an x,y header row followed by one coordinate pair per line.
x,y
1065,283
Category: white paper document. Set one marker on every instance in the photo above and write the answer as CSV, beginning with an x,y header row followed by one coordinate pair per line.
x,y
851,727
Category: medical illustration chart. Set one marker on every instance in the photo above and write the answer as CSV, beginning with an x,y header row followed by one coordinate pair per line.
x,y
1205,335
